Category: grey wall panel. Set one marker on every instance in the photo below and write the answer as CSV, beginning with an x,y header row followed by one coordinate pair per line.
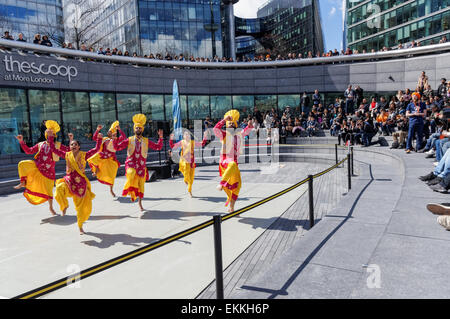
x,y
99,76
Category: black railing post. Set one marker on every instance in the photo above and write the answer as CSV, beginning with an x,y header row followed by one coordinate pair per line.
x,y
311,201
352,155
349,173
336,152
218,255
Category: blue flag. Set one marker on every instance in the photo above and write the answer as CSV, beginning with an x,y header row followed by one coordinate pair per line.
x,y
176,112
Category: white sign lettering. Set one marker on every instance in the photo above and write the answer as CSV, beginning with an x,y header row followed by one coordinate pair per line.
x,y
12,65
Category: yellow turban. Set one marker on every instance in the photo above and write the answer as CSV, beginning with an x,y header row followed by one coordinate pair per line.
x,y
139,120
53,126
113,127
234,114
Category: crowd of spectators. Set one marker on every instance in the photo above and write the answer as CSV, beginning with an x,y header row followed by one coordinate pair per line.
x,y
44,40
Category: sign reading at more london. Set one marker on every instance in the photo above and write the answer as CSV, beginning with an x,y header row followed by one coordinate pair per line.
x,y
24,71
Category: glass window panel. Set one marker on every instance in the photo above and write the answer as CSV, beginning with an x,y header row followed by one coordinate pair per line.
x,y
76,117
198,107
103,109
219,106
13,120
266,102
44,105
289,100
127,106
244,104
153,108
169,111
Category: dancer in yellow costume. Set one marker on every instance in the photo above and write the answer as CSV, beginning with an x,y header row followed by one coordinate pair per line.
x,y
38,176
75,184
231,144
104,164
187,159
135,165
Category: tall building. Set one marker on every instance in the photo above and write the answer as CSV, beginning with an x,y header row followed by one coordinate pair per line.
x,y
31,17
281,27
375,24
193,27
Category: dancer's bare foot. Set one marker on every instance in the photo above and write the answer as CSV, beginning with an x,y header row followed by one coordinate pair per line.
x,y
22,184
112,193
64,211
82,231
52,211
219,187
190,194
230,210
140,205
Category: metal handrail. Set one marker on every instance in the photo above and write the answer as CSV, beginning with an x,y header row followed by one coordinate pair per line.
x,y
405,53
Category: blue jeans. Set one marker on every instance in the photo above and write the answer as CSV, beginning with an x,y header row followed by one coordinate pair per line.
x,y
443,168
415,128
367,139
439,144
431,140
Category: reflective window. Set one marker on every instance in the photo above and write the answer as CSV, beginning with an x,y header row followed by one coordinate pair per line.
x,y
127,106
76,117
288,100
266,102
13,120
169,110
244,104
219,106
198,108
153,108
103,110
44,105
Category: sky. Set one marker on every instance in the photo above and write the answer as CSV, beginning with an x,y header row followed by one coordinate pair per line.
x,y
331,12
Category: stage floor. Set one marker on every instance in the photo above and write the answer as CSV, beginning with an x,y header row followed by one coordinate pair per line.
x,y
36,249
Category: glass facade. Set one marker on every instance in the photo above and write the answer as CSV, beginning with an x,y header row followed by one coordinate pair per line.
x,y
282,27
81,112
386,23
31,17
191,27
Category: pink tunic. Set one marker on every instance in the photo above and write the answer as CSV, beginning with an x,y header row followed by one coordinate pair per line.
x,y
44,160
136,160
233,154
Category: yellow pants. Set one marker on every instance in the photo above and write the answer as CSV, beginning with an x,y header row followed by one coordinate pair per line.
x,y
83,205
38,188
134,185
188,173
231,181
105,170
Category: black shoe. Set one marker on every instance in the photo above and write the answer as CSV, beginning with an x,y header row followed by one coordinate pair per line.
x,y
438,188
402,146
395,145
423,150
434,181
429,156
427,177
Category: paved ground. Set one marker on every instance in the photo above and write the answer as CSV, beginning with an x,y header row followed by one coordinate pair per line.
x,y
36,249
380,242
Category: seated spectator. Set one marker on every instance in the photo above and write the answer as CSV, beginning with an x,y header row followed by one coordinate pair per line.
x,y
381,124
439,179
430,144
400,135
326,120
311,126
7,36
368,131
344,133
37,39
297,129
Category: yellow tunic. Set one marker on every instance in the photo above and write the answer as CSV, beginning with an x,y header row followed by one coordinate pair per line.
x,y
105,168
65,189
